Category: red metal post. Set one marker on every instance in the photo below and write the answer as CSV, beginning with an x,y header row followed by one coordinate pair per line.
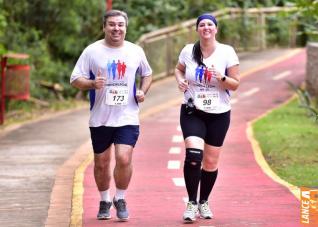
x,y
2,108
109,4
4,60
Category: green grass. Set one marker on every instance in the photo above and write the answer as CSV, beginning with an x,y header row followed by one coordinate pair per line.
x,y
288,138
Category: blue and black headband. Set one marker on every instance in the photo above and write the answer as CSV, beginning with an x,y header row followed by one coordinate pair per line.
x,y
206,16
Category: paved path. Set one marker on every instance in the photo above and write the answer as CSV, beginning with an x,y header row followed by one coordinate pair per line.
x,y
243,195
38,161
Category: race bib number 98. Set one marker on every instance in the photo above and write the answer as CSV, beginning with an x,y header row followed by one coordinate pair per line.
x,y
117,96
207,100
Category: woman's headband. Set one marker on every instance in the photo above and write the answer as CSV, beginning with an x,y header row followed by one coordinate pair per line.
x,y
206,16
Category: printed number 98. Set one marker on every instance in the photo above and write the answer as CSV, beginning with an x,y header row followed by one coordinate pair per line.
x,y
207,102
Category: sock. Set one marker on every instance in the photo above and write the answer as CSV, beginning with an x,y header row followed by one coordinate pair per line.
x,y
120,194
207,182
105,196
192,175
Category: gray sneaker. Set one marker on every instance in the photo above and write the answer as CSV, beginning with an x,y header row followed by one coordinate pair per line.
x,y
205,211
103,213
190,213
122,212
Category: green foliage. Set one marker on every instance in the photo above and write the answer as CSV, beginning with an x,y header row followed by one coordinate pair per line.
x,y
305,101
54,32
146,16
308,14
243,34
278,30
3,25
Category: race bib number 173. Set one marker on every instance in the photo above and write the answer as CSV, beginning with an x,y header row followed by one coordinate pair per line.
x,y
117,96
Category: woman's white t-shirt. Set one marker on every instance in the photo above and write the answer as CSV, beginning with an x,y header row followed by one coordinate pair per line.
x,y
114,105
204,89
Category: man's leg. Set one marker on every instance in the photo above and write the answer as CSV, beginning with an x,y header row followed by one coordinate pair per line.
x,y
102,178
123,168
122,175
102,169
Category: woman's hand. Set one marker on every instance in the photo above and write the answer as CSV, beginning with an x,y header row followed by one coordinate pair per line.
x,y
183,85
215,74
179,72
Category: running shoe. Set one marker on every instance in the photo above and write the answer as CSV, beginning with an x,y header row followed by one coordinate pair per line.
x,y
122,212
204,210
103,213
191,211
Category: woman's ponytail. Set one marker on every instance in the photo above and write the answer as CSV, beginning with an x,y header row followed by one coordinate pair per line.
x,y
197,54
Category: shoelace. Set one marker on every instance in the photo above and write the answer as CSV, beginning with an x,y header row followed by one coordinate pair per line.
x,y
104,206
190,207
121,205
205,207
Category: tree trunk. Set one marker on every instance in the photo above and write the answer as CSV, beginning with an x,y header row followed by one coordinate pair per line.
x,y
312,69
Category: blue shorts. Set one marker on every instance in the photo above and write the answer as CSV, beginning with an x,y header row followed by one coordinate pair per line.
x,y
103,136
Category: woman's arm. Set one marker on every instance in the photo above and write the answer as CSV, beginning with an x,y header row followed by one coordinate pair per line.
x,y
231,81
179,74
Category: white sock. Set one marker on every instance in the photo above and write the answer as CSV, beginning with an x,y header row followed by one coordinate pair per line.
x,y
120,194
105,196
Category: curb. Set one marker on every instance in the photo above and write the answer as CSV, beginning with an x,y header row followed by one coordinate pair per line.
x,y
259,157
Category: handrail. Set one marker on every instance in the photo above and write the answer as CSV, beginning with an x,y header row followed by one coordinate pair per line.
x,y
163,45
218,13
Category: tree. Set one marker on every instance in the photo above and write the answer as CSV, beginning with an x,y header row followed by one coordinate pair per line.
x,y
308,14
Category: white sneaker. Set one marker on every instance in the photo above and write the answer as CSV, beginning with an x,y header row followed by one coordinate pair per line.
x,y
190,213
205,211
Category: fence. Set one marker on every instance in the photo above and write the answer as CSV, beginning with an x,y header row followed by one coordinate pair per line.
x,y
250,29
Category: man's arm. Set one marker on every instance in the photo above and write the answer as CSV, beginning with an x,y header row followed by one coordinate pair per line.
x,y
145,83
83,83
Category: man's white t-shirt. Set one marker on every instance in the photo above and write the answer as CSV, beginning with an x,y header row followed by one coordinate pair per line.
x,y
114,105
204,89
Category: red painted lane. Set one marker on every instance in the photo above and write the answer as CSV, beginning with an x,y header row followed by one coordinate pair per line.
x,y
153,199
243,194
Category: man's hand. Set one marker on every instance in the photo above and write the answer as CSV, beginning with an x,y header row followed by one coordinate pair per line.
x,y
140,95
99,81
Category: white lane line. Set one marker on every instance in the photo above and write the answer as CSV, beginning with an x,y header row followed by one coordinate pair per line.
x,y
250,92
174,164
175,150
179,182
179,128
185,199
282,75
233,101
177,139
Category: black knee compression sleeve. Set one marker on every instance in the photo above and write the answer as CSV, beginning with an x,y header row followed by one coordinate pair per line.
x,y
192,171
194,157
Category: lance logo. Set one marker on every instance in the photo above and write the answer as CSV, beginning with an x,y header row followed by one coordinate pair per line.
x,y
309,206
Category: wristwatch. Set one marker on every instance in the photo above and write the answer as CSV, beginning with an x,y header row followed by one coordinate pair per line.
x,y
223,78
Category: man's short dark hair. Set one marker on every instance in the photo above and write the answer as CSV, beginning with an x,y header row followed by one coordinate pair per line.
x,y
114,13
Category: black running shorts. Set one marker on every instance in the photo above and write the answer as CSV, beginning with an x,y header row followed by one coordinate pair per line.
x,y
212,128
